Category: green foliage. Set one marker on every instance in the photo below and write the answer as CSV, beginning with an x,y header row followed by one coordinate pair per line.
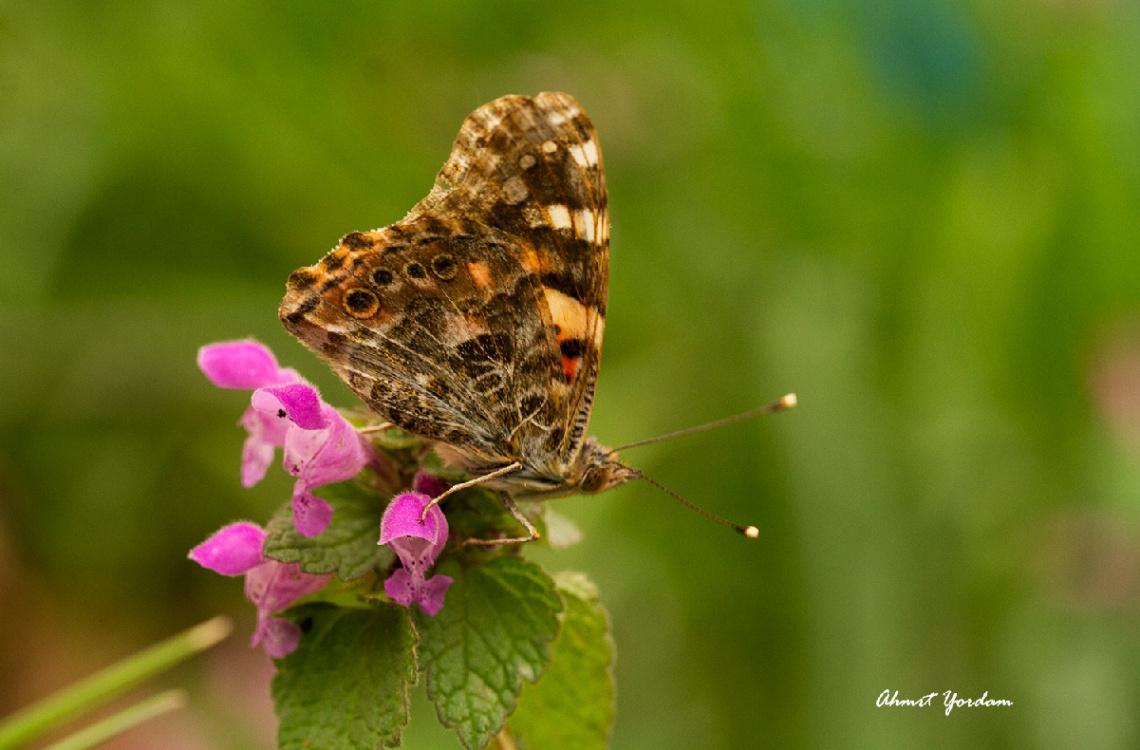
x,y
493,633
346,685
572,705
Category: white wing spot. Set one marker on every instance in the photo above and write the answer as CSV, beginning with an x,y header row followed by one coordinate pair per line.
x,y
559,216
578,155
556,118
491,120
585,223
590,149
549,147
526,161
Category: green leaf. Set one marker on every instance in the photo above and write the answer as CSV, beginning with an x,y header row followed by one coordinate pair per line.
x,y
493,632
573,704
477,513
346,685
347,547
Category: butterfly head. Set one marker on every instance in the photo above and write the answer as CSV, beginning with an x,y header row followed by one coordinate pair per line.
x,y
602,469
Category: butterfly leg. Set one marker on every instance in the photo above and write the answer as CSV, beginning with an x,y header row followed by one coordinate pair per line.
x,y
510,506
469,483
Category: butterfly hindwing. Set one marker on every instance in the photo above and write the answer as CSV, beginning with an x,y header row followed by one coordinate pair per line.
x,y
476,321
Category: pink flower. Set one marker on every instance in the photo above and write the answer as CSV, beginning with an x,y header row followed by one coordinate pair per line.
x,y
285,412
417,543
270,585
244,365
320,447
427,484
248,365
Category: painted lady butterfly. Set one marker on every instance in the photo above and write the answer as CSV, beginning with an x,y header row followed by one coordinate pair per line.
x,y
476,322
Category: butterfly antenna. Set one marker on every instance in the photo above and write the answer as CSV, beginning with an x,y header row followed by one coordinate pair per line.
x,y
787,402
749,531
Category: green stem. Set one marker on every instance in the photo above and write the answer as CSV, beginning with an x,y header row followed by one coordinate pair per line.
x,y
105,729
101,687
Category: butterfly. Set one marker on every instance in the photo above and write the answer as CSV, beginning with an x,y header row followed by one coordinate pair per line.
x,y
476,322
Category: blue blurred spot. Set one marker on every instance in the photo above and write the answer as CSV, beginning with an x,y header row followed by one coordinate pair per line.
x,y
925,55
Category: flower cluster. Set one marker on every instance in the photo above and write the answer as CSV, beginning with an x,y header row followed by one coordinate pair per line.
x,y
271,586
319,446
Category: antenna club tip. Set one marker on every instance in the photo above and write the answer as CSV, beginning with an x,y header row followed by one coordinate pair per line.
x,y
788,401
751,532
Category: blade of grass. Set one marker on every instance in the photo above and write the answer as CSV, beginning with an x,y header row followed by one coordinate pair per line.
x,y
65,705
105,729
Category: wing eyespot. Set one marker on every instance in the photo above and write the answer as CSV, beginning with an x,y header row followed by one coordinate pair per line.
x,y
361,303
382,277
444,267
415,270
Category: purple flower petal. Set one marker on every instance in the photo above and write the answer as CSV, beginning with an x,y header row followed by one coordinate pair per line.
x,y
311,514
241,364
273,586
266,432
417,543
318,457
404,588
333,454
432,593
428,485
299,401
398,587
402,520
279,637
231,551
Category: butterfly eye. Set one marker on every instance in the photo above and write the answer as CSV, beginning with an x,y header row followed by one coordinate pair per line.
x,y
444,267
382,277
594,480
361,303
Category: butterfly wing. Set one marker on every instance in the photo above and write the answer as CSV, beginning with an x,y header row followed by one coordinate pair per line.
x,y
477,320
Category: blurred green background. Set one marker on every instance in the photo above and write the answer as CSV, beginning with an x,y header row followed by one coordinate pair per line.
x,y
922,217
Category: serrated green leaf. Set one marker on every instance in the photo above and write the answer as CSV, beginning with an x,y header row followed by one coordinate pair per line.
x,y
346,685
572,705
347,547
493,632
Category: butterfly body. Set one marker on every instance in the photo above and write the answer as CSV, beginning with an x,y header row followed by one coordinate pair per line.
x,y
476,322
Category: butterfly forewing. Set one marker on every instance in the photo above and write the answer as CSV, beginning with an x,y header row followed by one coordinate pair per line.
x,y
477,320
